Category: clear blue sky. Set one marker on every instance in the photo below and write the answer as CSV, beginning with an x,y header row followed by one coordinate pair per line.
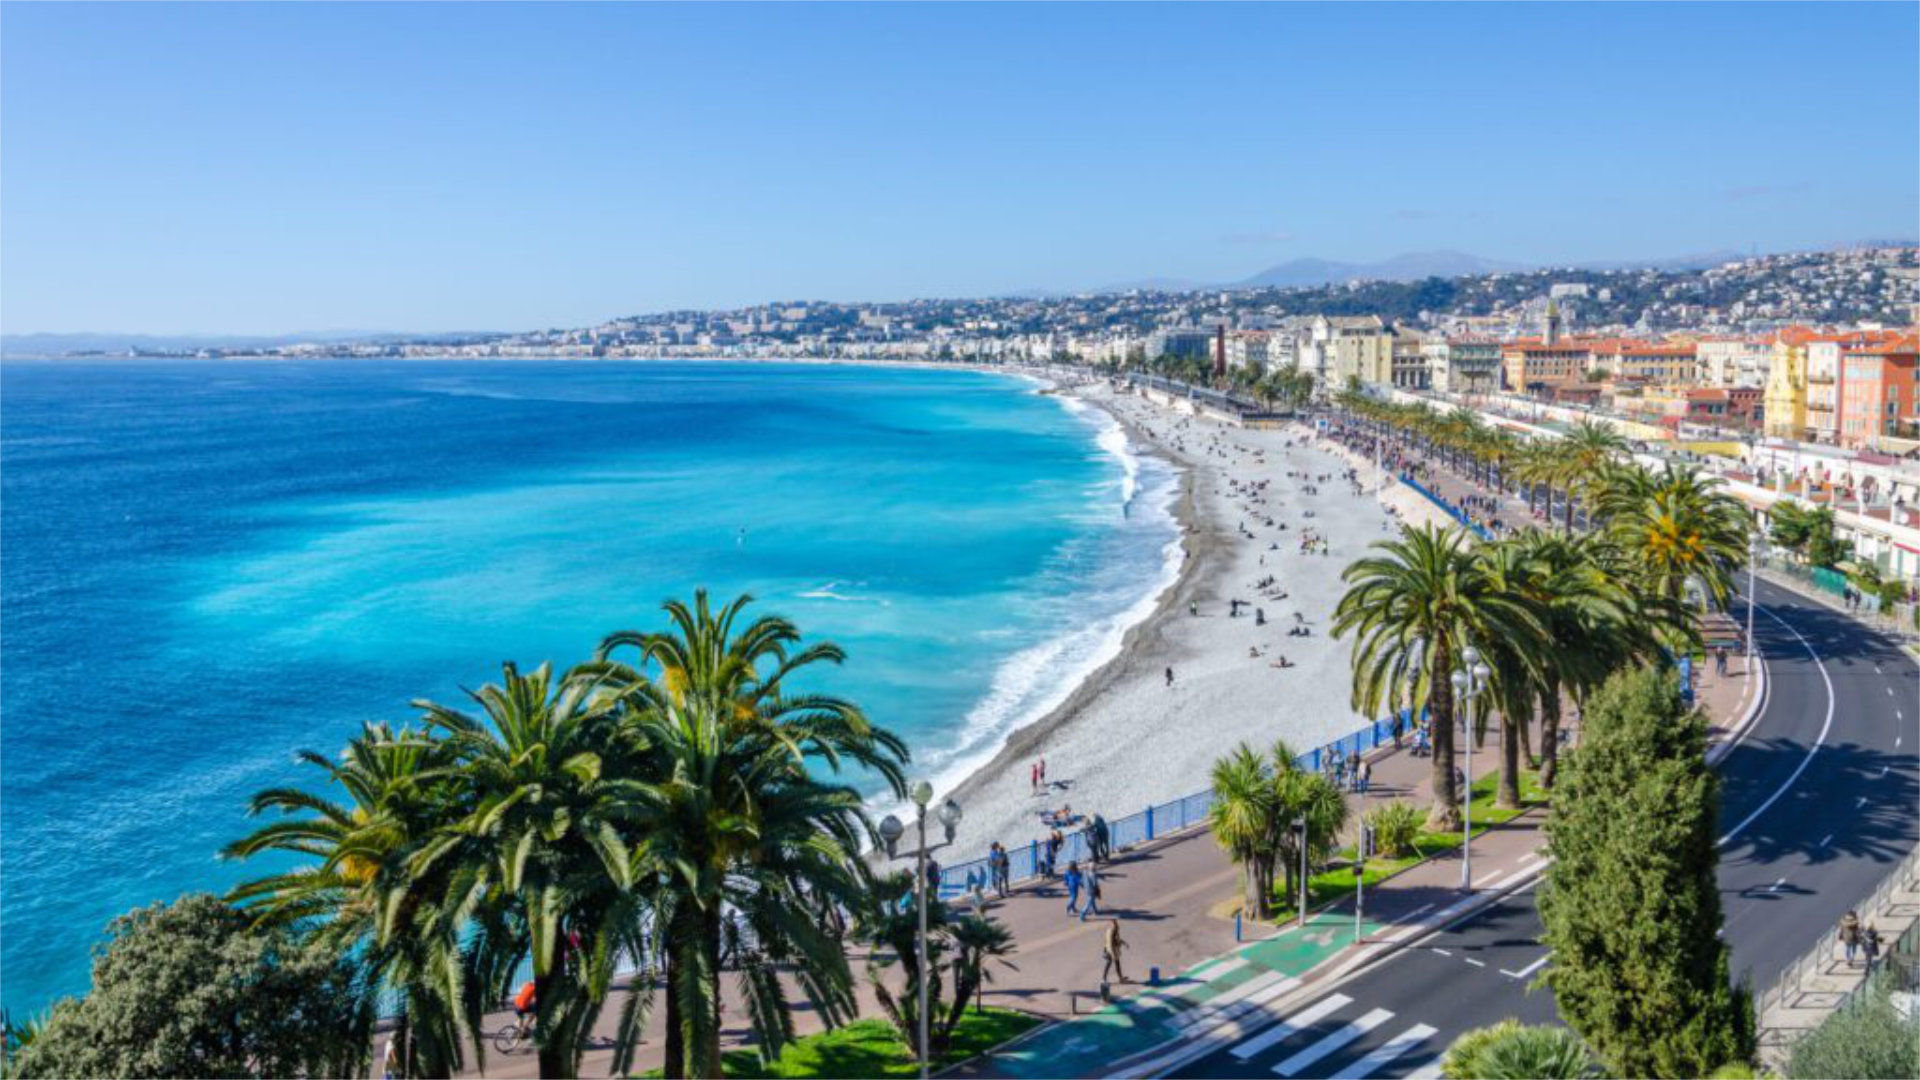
x,y
257,169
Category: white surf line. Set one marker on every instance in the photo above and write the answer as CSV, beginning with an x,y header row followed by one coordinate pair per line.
x,y
1333,1042
1827,839
1530,968
1825,728
1859,802
1292,1025
1884,770
1388,1051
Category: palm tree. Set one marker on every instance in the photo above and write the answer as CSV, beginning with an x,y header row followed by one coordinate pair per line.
x,y
1412,610
704,657
1241,817
543,857
359,899
976,939
744,823
1511,1051
1676,526
1588,450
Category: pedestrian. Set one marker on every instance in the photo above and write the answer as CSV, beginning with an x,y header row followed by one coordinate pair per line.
x,y
1043,772
1110,953
1072,881
1036,776
390,1060
1720,662
1399,724
1850,934
1093,893
1102,838
1366,777
1870,938
933,878
1169,676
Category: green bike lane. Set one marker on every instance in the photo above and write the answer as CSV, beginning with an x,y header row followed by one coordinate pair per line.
x,y
1207,995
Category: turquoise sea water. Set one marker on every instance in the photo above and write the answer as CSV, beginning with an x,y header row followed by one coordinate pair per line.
x,y
206,565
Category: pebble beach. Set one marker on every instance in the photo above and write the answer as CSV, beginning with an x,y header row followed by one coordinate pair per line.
x,y
1270,518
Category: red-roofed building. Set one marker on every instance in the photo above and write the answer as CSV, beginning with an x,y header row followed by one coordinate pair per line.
x,y
1878,390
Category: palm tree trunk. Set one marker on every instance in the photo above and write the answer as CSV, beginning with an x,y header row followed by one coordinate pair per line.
x,y
1445,816
1255,904
1509,797
554,1059
675,1067
1549,735
711,1067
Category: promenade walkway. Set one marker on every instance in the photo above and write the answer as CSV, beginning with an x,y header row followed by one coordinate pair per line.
x,y
1172,897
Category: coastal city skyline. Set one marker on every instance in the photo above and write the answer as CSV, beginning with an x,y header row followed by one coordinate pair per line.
x,y
852,541
681,159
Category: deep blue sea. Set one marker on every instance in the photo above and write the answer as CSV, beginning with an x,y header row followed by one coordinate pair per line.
x,y
207,565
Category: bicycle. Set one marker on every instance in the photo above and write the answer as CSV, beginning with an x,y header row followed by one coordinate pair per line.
x,y
512,1036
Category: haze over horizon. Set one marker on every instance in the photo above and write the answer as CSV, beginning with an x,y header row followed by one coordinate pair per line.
x,y
249,170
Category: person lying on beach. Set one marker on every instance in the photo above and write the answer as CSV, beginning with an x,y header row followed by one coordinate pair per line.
x,y
1283,662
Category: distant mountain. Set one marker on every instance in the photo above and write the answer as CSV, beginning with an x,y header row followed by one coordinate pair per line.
x,y
1412,266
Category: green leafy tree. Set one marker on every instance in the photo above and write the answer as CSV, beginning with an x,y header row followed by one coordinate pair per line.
x,y
1871,1039
195,989
1630,904
1256,802
1510,1050
1396,826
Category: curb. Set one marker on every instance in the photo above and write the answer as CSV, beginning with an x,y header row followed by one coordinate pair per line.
x,y
1739,731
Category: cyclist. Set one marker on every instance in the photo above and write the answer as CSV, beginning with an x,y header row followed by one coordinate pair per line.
x,y
523,1008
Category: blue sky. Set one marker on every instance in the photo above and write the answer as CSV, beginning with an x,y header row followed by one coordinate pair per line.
x,y
253,169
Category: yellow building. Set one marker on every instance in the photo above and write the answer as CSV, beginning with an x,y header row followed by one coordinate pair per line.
x,y
1785,402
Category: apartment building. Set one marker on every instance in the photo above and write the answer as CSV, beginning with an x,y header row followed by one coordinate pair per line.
x,y
1877,392
1538,365
1732,361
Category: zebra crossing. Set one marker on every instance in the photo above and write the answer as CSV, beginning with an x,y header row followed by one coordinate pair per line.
x,y
1340,1038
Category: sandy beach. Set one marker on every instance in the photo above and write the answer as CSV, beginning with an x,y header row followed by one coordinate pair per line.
x,y
1125,737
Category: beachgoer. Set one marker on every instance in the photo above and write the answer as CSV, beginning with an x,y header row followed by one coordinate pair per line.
x,y
1043,772
1035,771
1110,952
1072,882
1169,676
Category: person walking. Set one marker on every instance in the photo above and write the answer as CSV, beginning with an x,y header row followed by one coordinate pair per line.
x,y
1102,838
1043,772
1870,941
1169,676
1110,952
1035,771
1850,934
1366,777
1072,882
1093,893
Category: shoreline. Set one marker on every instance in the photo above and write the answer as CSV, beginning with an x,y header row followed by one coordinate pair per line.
x,y
1121,738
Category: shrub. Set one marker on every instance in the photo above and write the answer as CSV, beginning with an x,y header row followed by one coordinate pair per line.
x,y
1395,826
1870,1040
1510,1050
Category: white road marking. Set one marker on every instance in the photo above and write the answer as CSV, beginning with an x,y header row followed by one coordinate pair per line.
x,y
1443,952
1238,1002
1429,1071
1775,887
1415,913
1825,728
1333,1042
1291,1026
1487,882
1530,968
1889,691
1392,1048
1475,963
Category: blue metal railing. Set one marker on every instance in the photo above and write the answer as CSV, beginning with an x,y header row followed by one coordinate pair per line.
x,y
1453,511
1157,820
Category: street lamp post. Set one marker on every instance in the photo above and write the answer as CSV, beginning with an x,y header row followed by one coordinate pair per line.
x,y
1755,548
1468,683
890,832
1300,829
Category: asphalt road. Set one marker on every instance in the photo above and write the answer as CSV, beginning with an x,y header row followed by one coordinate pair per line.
x,y
1817,806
